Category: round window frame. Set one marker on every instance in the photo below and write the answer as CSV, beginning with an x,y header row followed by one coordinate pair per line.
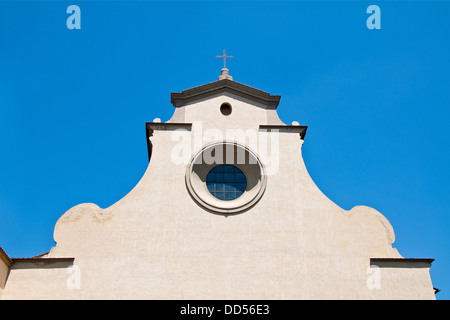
x,y
255,173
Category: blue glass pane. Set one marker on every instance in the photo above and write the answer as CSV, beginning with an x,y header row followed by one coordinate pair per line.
x,y
226,182
220,195
230,186
227,168
228,177
230,196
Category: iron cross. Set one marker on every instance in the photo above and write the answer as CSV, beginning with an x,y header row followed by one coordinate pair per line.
x,y
224,58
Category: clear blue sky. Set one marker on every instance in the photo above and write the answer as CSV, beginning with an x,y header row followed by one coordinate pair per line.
x,y
73,103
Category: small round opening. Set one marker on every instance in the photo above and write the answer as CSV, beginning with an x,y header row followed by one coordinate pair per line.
x,y
225,108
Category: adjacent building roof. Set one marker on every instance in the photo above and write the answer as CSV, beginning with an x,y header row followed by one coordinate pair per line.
x,y
4,257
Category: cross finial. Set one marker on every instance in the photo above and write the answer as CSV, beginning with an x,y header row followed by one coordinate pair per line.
x,y
224,58
225,74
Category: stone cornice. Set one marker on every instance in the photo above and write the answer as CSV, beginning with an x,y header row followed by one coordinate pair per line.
x,y
396,261
225,85
283,128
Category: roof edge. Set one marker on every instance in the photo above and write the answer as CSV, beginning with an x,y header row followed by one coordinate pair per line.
x,y
285,128
34,259
401,260
5,258
196,93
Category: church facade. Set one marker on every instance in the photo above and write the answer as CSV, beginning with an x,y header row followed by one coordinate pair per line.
x,y
225,210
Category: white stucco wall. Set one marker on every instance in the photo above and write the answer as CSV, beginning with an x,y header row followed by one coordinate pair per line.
x,y
157,243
